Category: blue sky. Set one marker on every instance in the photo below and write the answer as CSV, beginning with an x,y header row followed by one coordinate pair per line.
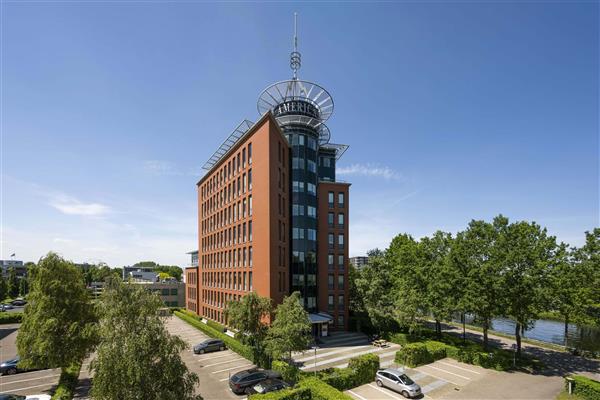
x,y
452,110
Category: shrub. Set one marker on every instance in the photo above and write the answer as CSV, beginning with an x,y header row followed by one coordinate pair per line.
x,y
231,343
340,378
289,373
437,350
301,393
67,383
320,390
404,338
587,388
364,367
11,317
413,355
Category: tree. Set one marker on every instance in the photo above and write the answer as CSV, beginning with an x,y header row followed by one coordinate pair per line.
x,y
250,316
13,284
372,292
137,358
436,271
526,254
58,322
23,286
477,273
3,288
291,330
588,258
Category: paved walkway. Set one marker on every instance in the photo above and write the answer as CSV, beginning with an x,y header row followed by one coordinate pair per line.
x,y
556,363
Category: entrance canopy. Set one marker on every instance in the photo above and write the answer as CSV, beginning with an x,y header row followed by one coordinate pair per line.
x,y
320,318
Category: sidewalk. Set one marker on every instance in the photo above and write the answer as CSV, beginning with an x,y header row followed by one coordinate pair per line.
x,y
556,363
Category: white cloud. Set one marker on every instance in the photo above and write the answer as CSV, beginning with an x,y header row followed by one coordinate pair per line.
x,y
63,241
370,170
71,206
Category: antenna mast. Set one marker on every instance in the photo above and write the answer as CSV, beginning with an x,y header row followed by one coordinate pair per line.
x,y
295,55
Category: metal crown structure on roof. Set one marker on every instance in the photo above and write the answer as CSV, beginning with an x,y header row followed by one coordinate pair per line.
x,y
231,140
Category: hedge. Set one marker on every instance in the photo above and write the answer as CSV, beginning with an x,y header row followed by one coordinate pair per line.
x,y
233,344
299,393
585,387
365,367
319,390
11,317
67,383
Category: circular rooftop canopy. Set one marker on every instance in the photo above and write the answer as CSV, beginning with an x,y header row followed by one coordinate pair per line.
x,y
295,89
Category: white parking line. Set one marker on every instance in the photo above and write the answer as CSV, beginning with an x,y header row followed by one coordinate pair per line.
x,y
329,353
356,395
448,372
30,387
229,369
437,377
386,392
210,358
333,360
223,362
30,379
456,366
433,385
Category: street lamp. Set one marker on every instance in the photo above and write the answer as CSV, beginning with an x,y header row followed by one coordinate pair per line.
x,y
315,347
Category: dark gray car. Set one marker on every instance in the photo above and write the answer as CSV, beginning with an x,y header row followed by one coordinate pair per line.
x,y
398,381
239,382
209,345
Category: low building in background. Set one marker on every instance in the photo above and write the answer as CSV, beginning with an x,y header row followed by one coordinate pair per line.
x,y
96,289
18,266
172,293
359,262
143,274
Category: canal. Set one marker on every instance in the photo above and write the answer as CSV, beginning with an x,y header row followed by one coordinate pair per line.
x,y
579,336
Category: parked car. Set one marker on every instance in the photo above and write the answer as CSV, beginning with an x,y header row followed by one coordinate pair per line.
x,y
6,396
398,381
19,302
239,382
7,307
209,345
10,367
266,386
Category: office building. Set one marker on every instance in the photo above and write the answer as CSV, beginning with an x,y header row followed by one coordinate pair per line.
x,y
359,261
272,217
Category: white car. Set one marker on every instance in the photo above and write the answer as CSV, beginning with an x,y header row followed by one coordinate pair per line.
x,y
6,396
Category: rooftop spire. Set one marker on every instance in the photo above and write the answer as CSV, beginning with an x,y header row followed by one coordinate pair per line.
x,y
295,55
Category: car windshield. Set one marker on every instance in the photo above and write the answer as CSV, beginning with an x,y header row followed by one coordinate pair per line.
x,y
260,387
235,378
406,379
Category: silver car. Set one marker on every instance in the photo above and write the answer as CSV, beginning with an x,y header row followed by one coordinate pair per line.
x,y
398,381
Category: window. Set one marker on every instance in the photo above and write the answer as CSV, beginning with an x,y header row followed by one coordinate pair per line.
x,y
341,220
298,186
340,199
245,180
250,155
244,207
341,302
326,162
311,189
250,179
311,166
341,282
312,143
174,292
244,157
311,302
341,264
341,241
238,162
330,240
312,234
330,217
165,292
250,255
340,320
330,261
250,230
297,163
298,256
330,281
312,211
298,233
330,304
330,199
249,205
250,280
297,210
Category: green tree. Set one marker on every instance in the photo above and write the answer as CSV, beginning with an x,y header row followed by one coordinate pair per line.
x,y
526,255
3,288
250,317
588,259
436,271
291,330
137,358
404,259
372,289
13,284
23,286
58,323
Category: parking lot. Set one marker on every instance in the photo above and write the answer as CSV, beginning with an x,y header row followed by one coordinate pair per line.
x,y
213,369
436,380
25,383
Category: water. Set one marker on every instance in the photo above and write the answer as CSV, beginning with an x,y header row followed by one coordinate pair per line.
x,y
545,330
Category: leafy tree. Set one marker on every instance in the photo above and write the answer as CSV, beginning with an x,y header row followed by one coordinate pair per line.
x,y
3,288
137,358
588,258
436,272
404,259
526,255
13,284
163,276
23,286
250,316
291,330
58,323
477,281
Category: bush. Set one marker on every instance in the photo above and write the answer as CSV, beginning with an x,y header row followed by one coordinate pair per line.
x,y
320,390
289,373
301,393
585,387
67,383
231,343
11,317
413,355
365,367
404,338
340,378
437,350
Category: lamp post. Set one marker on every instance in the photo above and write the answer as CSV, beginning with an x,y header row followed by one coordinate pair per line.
x,y
315,347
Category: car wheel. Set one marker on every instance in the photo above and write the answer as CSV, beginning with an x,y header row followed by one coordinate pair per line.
x,y
11,371
379,383
201,351
222,348
405,394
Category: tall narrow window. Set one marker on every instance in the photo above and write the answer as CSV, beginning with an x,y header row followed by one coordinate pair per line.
x,y
244,158
249,205
249,179
341,241
250,230
330,218
245,180
249,153
341,220
340,199
250,280
250,255
330,240
330,199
